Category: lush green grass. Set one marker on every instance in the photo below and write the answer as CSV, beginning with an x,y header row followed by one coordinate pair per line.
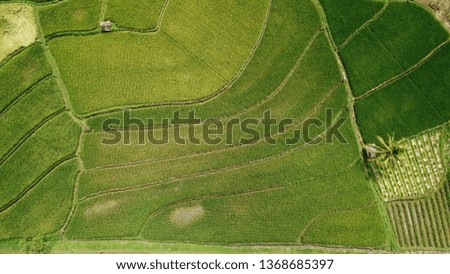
x,y
35,1
17,27
358,228
389,46
108,213
171,63
28,112
44,209
433,80
405,112
70,15
399,108
402,25
346,16
275,216
368,63
21,72
52,142
137,14
254,194
125,246
122,75
316,75
429,223
98,180
220,33
291,25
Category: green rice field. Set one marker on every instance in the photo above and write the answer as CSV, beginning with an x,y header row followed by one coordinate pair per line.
x,y
91,159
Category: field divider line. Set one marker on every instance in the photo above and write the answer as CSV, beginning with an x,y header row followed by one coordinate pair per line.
x,y
32,3
23,93
54,65
189,52
28,134
103,10
213,171
225,149
365,25
162,14
15,53
144,30
202,100
351,103
282,84
328,214
405,73
41,177
443,233
97,31
268,188
62,230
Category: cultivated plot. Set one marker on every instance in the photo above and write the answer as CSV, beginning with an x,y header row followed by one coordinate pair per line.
x,y
420,171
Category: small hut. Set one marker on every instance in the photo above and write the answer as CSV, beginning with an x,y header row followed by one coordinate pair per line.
x,y
371,152
106,26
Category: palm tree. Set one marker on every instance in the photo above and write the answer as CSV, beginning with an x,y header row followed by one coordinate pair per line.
x,y
388,152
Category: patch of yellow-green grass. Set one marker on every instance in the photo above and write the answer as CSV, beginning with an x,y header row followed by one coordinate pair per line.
x,y
44,209
17,28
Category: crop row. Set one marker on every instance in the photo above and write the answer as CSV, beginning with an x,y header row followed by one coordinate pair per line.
x,y
22,72
304,94
43,209
290,26
140,15
52,142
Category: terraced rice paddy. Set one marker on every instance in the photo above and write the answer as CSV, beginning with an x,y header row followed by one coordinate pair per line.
x,y
225,60
421,170
17,28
